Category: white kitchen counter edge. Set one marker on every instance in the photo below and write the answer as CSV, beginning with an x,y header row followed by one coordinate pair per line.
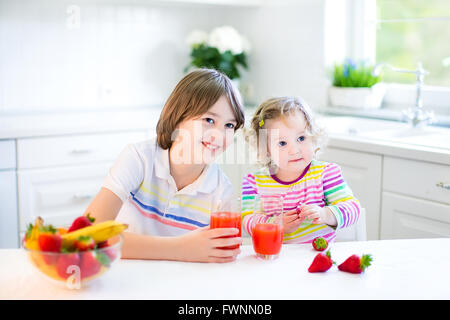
x,y
32,126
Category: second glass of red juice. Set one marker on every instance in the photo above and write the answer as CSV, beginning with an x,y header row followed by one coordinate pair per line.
x,y
267,233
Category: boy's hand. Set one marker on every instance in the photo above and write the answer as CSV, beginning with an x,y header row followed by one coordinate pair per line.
x,y
317,214
205,245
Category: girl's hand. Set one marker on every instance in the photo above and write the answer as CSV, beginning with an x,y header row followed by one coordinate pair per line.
x,y
291,221
206,245
317,214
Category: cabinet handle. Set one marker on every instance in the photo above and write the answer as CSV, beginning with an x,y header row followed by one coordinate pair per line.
x,y
443,185
80,151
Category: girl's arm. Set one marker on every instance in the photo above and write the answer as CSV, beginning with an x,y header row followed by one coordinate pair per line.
x,y
249,191
339,197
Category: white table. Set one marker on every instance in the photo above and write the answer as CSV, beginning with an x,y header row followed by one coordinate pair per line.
x,y
401,269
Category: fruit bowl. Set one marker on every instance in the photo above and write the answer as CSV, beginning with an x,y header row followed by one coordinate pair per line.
x,y
76,269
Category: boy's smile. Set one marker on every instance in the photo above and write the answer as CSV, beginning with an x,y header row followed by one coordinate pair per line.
x,y
207,136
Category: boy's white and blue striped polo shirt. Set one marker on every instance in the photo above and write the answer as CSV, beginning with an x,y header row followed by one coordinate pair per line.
x,y
152,205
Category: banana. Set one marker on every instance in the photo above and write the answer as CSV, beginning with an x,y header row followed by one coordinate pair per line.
x,y
99,232
32,234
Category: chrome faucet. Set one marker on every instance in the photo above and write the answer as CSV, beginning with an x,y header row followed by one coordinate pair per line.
x,y
416,116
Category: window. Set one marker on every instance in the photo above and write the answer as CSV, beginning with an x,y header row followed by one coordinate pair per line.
x,y
400,33
409,31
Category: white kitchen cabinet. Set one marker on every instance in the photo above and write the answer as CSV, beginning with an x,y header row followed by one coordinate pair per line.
x,y
416,202
58,176
8,210
417,179
238,160
407,217
58,195
8,195
7,154
73,150
362,172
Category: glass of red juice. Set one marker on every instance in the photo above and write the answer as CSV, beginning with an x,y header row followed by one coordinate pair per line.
x,y
227,215
267,232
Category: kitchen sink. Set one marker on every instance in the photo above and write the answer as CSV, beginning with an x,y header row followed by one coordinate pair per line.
x,y
387,131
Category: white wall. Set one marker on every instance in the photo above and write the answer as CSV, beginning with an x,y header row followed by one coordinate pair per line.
x,y
288,50
132,53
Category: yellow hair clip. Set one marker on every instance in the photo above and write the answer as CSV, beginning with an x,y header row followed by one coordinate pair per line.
x,y
261,123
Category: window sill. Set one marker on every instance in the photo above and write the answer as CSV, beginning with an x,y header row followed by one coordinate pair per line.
x,y
382,113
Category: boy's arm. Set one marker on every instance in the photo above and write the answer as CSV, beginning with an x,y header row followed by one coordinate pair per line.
x,y
202,245
339,197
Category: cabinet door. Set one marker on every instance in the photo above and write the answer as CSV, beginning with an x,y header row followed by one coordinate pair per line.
x,y
407,217
58,195
418,179
7,154
47,152
362,172
8,210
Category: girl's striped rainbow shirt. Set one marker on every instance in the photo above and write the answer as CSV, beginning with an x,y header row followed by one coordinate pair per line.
x,y
321,183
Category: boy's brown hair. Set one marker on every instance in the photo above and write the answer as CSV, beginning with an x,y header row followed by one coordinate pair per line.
x,y
193,96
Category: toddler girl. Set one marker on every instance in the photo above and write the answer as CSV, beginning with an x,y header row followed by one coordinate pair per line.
x,y
165,188
317,200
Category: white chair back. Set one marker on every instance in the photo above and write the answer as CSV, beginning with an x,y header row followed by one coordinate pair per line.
x,y
356,232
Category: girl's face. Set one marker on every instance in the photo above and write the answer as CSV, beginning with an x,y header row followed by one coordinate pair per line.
x,y
207,136
289,146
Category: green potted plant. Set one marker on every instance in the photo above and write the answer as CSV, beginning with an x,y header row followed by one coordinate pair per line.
x,y
223,49
355,85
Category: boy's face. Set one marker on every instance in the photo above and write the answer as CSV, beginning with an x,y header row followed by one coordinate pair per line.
x,y
207,136
289,146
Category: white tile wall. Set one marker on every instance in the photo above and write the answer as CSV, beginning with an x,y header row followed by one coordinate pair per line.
x,y
132,53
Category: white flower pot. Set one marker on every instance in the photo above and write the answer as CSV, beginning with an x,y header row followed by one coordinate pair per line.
x,y
368,98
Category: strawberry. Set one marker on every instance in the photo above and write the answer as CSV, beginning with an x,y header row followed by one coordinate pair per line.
x,y
89,264
321,263
111,253
81,222
49,241
320,244
103,244
84,243
65,261
355,264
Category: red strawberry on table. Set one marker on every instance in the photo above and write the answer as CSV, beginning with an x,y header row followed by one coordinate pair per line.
x,y
84,243
320,244
65,261
321,263
81,222
356,264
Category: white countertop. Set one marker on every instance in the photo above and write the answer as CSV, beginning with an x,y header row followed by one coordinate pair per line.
x,y
55,124
339,129
401,269
389,138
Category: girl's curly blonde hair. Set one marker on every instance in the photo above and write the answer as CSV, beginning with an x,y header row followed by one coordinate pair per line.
x,y
276,108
